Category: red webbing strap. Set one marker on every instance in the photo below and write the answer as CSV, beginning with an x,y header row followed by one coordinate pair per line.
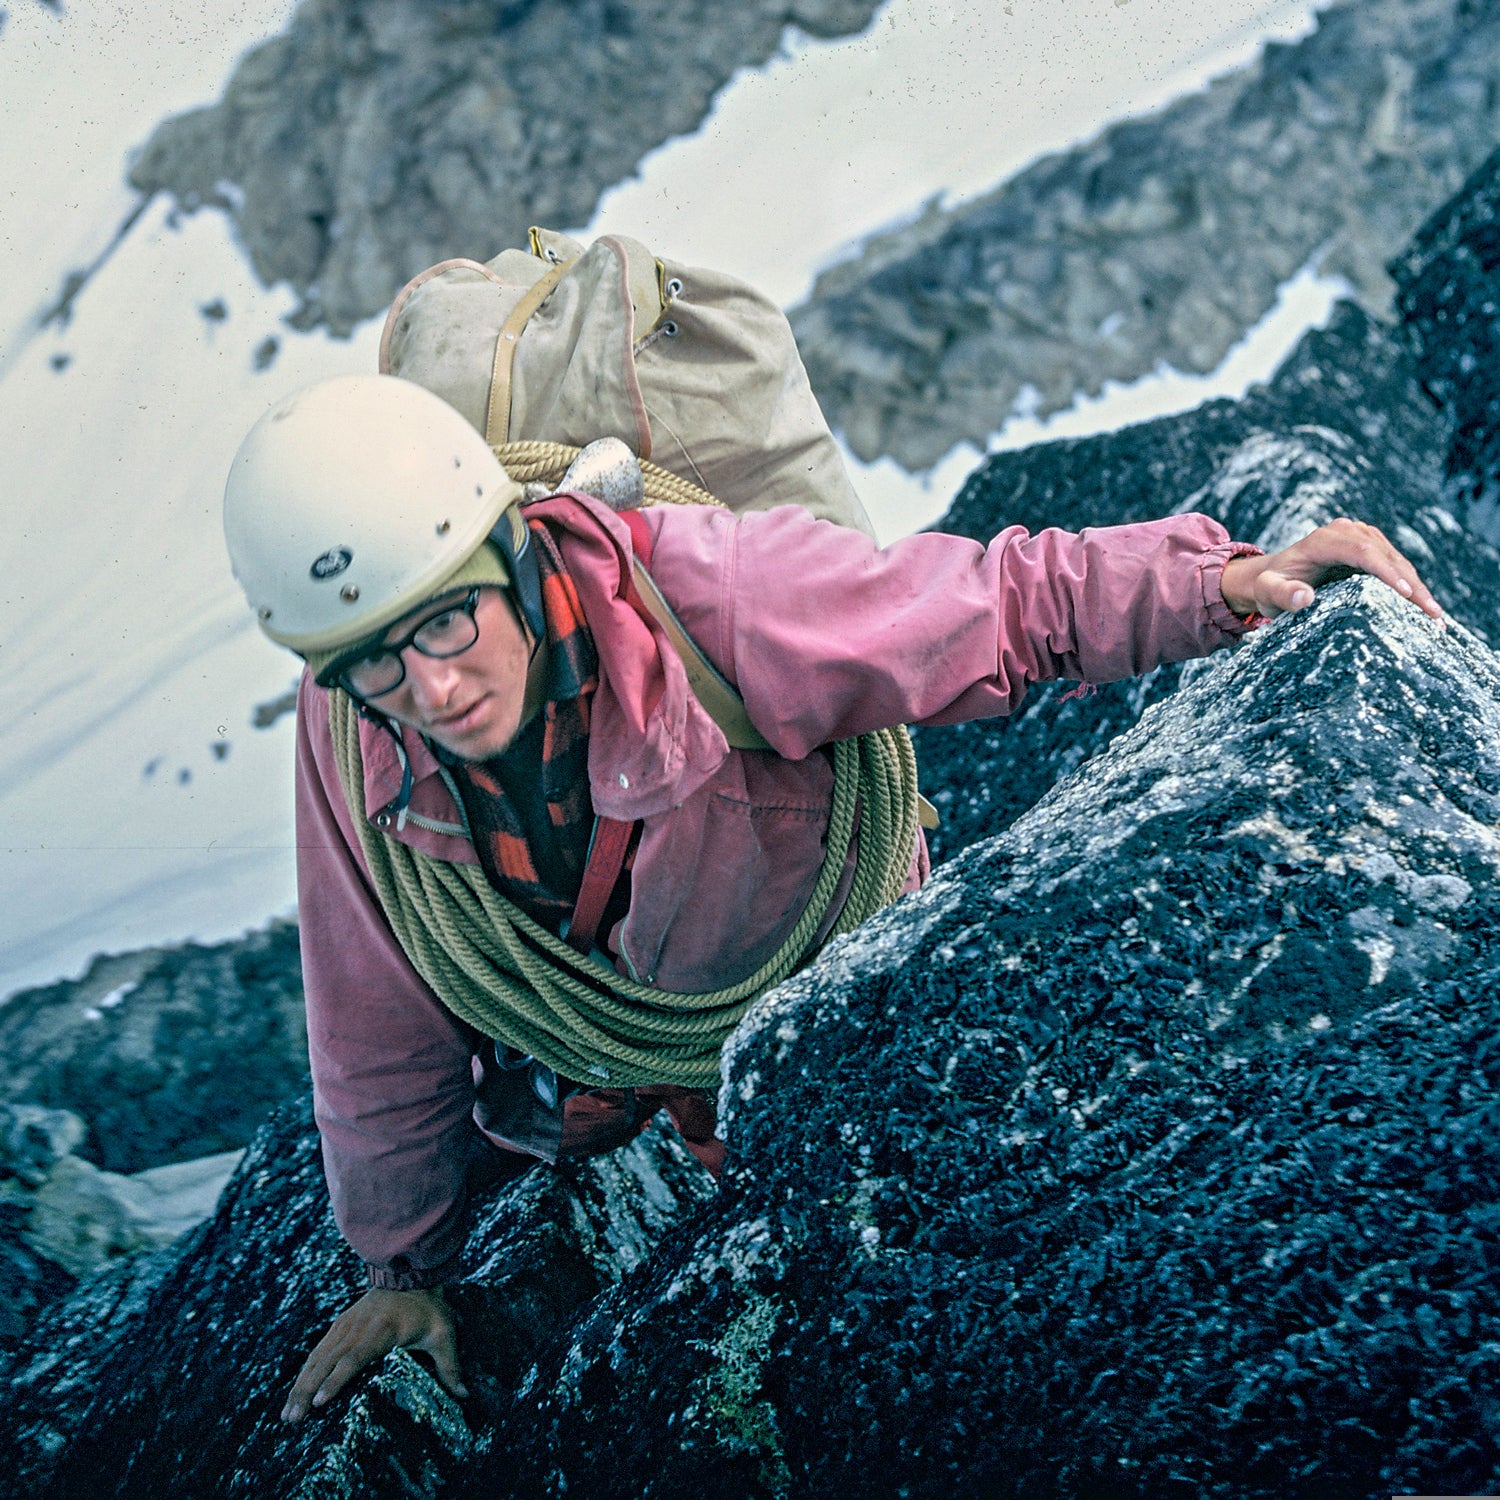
x,y
611,841
610,844
640,534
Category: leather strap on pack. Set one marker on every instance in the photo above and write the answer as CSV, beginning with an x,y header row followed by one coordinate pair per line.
x,y
497,413
711,688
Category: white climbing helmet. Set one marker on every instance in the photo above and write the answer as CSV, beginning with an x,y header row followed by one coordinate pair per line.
x,y
351,502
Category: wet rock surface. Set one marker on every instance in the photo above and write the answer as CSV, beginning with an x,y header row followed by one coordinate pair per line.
x,y
1162,240
376,137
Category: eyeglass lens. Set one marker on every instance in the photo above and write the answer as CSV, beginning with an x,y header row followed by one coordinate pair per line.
x,y
452,631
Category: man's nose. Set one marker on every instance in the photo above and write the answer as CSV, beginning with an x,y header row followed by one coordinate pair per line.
x,y
430,678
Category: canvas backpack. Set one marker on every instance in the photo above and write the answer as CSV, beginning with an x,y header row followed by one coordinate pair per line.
x,y
691,369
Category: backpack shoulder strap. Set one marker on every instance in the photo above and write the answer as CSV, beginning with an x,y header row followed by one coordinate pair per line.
x,y
611,840
711,688
497,409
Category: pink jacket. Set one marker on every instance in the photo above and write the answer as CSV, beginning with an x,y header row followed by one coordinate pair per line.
x,y
826,637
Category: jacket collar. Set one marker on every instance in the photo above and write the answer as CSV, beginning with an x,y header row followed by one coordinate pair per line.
x,y
651,743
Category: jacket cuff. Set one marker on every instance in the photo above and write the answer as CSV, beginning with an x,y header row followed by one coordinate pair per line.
x,y
404,1278
1211,577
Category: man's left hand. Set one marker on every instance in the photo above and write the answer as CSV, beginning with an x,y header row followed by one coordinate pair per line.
x,y
382,1320
1285,580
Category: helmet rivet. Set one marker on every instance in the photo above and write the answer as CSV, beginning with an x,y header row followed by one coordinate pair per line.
x,y
265,612
444,527
349,593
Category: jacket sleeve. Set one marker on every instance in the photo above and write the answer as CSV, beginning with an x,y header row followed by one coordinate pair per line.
x,y
829,636
393,1085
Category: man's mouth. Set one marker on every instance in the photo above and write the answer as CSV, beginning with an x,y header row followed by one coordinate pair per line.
x,y
458,723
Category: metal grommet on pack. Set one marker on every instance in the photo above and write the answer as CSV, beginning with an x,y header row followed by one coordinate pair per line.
x,y
674,288
670,329
382,820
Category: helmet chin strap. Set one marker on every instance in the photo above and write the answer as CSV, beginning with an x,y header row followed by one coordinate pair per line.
x,y
526,598
526,577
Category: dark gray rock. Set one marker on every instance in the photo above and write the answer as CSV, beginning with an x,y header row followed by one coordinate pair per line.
x,y
1346,426
29,1280
166,1376
377,137
32,1141
167,1055
1163,239
1447,295
1151,1150
154,1057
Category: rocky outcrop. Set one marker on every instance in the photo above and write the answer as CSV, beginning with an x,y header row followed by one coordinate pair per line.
x,y
1162,240
31,1141
377,137
168,1055
63,1220
1445,283
1347,425
124,1098
155,1345
1151,1149
1399,425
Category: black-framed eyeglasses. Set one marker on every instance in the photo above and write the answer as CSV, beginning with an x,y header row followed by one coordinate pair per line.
x,y
448,631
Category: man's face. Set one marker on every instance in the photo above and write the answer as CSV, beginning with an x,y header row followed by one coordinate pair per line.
x,y
472,704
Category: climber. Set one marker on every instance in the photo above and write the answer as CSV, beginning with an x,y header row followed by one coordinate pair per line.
x,y
488,702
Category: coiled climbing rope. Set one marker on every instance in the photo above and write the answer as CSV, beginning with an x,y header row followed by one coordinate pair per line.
x,y
502,972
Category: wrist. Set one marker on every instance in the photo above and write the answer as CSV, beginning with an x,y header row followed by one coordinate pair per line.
x,y
1236,586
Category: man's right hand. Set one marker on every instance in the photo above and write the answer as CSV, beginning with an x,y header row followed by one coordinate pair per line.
x,y
380,1321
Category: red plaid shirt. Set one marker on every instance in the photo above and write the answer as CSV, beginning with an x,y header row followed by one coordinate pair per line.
x,y
529,810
